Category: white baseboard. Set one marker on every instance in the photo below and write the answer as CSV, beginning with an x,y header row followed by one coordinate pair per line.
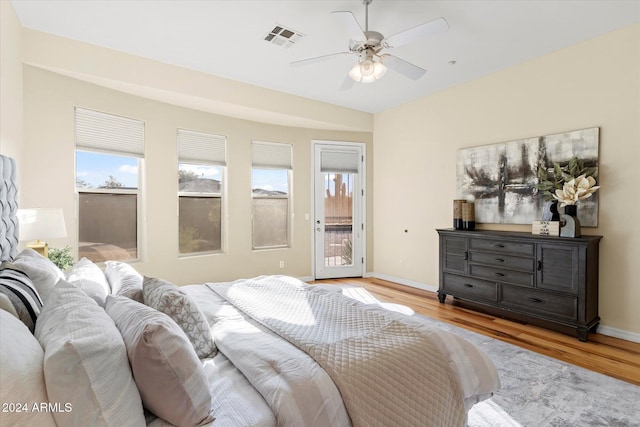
x,y
405,282
602,329
619,333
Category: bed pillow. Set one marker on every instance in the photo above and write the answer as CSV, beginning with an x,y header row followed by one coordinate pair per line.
x,y
16,286
169,299
7,305
43,273
90,278
124,280
85,362
21,375
166,369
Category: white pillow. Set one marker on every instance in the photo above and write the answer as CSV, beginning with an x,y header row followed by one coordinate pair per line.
x,y
21,375
90,278
85,362
168,298
167,371
124,280
43,273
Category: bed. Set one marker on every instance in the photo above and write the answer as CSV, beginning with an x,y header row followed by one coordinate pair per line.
x,y
103,345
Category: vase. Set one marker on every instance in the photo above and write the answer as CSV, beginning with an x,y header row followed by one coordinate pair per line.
x,y
550,211
469,216
457,213
570,222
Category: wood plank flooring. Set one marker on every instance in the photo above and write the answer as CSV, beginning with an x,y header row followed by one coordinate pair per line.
x,y
607,355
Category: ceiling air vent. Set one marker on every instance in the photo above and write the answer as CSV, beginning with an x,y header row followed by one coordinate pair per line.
x,y
283,36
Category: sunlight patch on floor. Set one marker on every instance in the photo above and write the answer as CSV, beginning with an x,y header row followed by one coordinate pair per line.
x,y
490,414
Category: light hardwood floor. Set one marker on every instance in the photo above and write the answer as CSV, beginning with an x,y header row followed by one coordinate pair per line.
x,y
610,356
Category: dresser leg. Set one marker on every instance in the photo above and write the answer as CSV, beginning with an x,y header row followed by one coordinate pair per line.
x,y
441,297
583,334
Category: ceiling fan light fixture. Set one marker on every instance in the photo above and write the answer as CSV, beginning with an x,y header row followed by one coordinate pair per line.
x,y
367,70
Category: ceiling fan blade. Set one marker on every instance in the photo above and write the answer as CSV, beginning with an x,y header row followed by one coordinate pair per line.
x,y
403,67
423,30
350,24
348,83
316,59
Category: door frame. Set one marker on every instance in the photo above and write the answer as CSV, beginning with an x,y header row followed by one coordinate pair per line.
x,y
363,199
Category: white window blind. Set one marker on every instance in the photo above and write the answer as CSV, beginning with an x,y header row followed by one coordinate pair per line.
x,y
108,133
271,155
198,147
339,161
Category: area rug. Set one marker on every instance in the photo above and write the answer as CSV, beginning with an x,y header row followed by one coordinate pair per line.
x,y
541,391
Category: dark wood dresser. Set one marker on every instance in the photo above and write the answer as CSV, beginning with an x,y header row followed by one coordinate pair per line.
x,y
547,281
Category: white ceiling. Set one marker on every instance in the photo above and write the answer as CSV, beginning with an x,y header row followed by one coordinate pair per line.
x,y
226,38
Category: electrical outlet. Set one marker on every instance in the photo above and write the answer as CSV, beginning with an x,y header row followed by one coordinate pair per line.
x,y
281,264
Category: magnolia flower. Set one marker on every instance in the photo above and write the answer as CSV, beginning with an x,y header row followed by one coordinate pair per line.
x,y
577,189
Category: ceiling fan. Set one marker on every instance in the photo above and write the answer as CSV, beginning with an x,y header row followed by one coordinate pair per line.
x,y
368,46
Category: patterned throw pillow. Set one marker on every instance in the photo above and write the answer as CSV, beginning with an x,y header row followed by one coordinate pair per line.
x,y
169,299
18,288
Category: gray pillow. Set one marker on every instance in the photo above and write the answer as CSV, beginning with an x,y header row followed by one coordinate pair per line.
x,y
166,369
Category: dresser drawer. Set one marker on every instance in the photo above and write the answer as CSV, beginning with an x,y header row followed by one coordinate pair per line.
x,y
469,287
554,305
502,275
500,260
504,247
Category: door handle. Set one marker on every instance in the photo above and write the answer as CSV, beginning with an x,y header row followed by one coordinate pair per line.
x,y
318,229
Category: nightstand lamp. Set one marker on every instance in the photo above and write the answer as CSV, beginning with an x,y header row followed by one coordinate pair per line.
x,y
41,223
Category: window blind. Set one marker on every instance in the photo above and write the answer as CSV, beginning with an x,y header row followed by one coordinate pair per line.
x,y
338,161
198,147
109,133
271,155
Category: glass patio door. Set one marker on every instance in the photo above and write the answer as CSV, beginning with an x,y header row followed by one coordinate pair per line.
x,y
338,220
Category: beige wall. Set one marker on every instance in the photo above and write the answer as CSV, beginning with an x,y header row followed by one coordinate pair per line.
x,y
10,82
49,181
594,83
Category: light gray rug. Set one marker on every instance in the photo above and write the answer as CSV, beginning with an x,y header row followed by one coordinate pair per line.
x,y
541,391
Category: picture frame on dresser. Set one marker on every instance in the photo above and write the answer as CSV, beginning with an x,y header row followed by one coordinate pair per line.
x,y
543,280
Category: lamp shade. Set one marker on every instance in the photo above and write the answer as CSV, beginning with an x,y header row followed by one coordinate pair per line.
x,y
41,223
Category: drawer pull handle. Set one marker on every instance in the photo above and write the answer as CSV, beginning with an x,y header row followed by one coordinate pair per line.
x,y
499,260
532,299
498,274
498,245
539,265
466,256
468,285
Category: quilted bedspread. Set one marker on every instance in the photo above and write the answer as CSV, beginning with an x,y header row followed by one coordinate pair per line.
x,y
388,372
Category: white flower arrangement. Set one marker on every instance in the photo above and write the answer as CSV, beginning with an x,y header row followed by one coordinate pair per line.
x,y
576,189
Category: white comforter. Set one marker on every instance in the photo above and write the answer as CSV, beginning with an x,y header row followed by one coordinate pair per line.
x,y
281,385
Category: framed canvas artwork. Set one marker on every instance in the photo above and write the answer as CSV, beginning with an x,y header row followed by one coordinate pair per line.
x,y
502,177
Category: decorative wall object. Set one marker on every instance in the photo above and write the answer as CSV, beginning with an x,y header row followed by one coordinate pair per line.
x,y
502,177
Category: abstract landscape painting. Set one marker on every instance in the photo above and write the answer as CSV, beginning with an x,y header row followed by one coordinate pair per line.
x,y
502,177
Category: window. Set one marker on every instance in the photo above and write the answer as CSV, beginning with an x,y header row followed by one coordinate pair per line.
x,y
271,176
109,157
201,166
